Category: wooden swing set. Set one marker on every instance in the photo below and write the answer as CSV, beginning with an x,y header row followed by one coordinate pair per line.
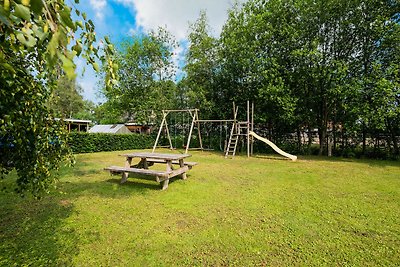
x,y
239,128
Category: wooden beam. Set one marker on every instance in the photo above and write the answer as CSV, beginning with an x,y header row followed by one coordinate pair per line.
x,y
214,120
179,110
169,137
252,128
198,129
190,134
248,128
159,130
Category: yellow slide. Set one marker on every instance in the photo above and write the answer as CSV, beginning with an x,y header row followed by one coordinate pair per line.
x,y
274,147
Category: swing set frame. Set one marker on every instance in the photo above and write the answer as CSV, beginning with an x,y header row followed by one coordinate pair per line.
x,y
195,121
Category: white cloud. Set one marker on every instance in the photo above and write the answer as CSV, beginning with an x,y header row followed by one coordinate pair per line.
x,y
99,7
175,15
132,31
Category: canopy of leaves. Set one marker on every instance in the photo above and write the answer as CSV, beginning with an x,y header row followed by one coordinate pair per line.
x,y
146,71
305,63
37,47
66,99
201,67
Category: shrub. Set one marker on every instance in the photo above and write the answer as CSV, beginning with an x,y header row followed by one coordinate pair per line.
x,y
96,142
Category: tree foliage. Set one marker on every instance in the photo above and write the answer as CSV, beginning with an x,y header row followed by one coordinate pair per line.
x,y
310,64
201,66
146,71
67,102
37,47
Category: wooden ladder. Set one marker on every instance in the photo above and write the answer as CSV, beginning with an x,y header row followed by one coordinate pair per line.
x,y
232,143
236,132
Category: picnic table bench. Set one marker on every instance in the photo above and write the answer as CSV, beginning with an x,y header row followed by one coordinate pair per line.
x,y
148,159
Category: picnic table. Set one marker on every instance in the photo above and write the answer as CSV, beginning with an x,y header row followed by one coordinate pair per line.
x,y
148,159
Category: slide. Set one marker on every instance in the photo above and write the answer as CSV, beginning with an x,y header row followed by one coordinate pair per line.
x,y
274,147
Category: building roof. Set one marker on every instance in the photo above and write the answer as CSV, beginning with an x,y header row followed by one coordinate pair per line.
x,y
109,128
74,120
138,124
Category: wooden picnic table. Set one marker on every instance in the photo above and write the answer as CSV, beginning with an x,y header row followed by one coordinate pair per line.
x,y
147,159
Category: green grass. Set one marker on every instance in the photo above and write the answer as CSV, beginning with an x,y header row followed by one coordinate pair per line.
x,y
230,212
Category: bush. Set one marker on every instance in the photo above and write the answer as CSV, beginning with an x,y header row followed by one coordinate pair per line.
x,y
96,142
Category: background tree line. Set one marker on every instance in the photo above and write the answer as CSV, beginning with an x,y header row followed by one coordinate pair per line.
x,y
326,65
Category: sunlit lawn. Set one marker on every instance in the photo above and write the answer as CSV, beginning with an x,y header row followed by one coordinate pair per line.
x,y
241,211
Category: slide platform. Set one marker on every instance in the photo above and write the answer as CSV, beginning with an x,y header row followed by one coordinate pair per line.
x,y
274,147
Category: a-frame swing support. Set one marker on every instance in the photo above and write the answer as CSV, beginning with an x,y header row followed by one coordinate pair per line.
x,y
195,120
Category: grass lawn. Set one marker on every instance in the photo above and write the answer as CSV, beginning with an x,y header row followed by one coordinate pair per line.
x,y
230,212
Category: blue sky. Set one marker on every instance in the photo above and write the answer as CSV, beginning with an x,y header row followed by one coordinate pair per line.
x,y
122,18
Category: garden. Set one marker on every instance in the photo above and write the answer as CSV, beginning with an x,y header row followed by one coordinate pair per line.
x,y
263,210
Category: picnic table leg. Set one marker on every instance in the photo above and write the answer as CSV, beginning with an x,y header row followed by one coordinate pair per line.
x,y
169,165
126,174
165,184
182,164
124,177
169,168
128,162
144,163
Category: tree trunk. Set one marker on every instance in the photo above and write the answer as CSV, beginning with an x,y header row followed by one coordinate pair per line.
x,y
323,128
310,139
392,134
322,140
364,137
334,138
342,141
298,139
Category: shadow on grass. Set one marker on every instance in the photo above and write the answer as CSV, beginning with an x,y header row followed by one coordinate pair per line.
x,y
141,183
271,157
370,162
112,187
32,232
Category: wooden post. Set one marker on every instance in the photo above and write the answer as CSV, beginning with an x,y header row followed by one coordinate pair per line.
x,y
169,137
198,129
190,134
125,175
182,165
159,131
248,128
234,116
252,128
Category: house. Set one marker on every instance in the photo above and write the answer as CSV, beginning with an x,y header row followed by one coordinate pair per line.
x,y
110,128
139,128
76,125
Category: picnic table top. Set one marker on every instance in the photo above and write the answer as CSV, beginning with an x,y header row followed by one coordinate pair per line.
x,y
149,155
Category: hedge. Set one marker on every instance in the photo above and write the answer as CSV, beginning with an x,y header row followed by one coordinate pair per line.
x,y
82,142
